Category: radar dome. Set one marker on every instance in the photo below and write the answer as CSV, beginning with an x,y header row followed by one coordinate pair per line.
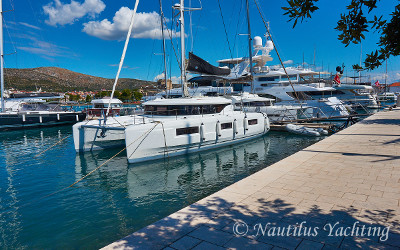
x,y
270,45
257,42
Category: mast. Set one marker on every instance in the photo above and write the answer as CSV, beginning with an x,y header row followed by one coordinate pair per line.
x,y
2,57
121,62
385,77
250,47
185,92
359,71
163,46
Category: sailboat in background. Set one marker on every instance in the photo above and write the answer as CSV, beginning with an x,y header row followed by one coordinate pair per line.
x,y
171,127
30,110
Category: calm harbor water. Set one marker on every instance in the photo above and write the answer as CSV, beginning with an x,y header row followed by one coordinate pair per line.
x,y
117,199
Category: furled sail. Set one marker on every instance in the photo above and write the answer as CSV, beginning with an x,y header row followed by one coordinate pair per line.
x,y
198,65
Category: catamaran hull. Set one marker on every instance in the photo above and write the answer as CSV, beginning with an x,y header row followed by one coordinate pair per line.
x,y
94,135
162,140
13,121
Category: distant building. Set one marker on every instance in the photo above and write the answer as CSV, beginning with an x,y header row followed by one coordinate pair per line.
x,y
395,87
161,84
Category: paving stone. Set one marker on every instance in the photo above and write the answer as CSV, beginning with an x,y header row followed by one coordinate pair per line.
x,y
186,242
246,243
286,242
211,235
350,177
309,245
207,246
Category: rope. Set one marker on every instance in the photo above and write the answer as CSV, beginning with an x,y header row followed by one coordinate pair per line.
x,y
165,140
58,191
91,172
237,26
52,146
283,66
57,143
172,44
226,33
148,132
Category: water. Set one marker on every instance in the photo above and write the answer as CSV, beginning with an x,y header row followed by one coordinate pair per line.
x,y
117,199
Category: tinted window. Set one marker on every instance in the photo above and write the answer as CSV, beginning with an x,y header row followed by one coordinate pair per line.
x,y
187,131
268,79
183,110
252,122
227,125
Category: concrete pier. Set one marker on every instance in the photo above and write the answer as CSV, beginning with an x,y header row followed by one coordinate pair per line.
x,y
342,192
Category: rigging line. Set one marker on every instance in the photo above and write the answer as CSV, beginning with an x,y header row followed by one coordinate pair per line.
x,y
280,59
232,14
172,44
163,48
151,59
9,35
197,26
237,26
191,26
52,49
226,33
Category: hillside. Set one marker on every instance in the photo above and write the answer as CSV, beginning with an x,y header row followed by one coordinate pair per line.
x,y
62,80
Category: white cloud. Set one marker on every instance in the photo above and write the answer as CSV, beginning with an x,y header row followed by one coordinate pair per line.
x,y
46,50
288,62
158,77
30,26
124,67
61,14
174,79
146,25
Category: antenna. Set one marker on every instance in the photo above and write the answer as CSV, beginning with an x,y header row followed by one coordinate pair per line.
x,y
163,47
250,47
2,57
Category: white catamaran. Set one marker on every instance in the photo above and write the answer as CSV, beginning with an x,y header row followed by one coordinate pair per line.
x,y
171,127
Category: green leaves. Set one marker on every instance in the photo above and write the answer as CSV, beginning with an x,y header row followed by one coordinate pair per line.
x,y
357,68
353,26
300,9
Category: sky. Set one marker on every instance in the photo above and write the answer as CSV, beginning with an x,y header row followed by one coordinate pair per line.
x,y
87,36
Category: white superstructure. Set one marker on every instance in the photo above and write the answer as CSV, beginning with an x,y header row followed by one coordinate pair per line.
x,y
171,127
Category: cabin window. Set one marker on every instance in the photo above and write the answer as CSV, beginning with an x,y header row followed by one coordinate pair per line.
x,y
187,131
171,110
268,79
227,125
99,106
252,122
291,77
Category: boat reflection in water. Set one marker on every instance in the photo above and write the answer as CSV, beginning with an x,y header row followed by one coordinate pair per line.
x,y
132,196
184,175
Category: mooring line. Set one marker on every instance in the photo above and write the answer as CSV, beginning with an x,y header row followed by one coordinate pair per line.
x,y
56,143
91,172
52,146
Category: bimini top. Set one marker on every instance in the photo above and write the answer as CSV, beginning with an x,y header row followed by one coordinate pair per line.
x,y
106,101
247,97
352,86
203,100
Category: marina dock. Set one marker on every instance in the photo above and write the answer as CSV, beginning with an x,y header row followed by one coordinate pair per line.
x,y
350,180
